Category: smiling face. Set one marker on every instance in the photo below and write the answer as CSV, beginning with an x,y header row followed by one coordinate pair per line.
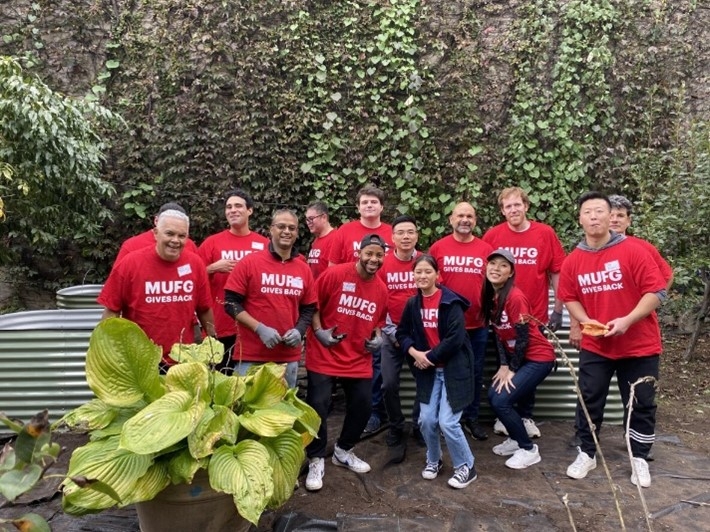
x,y
284,231
170,237
316,221
463,221
370,259
594,217
620,220
425,277
515,211
370,208
237,212
498,271
405,237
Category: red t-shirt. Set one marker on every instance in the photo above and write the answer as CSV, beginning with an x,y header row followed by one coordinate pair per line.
x,y
346,242
274,290
144,240
430,318
318,255
398,276
227,245
356,306
160,296
517,310
538,252
609,283
462,267
666,270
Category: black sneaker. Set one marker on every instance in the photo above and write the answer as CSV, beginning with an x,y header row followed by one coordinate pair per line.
x,y
463,476
395,437
476,430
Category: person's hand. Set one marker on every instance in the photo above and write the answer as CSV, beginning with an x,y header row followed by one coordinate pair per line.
x,y
555,321
575,336
420,358
223,266
292,338
374,343
618,326
328,337
503,379
269,337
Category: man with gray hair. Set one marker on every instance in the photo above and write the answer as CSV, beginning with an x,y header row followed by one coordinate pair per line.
x,y
162,287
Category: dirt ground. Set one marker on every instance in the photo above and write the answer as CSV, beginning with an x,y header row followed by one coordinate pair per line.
x,y
395,497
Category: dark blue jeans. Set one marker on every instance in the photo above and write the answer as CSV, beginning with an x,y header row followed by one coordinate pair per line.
x,y
378,404
478,338
525,380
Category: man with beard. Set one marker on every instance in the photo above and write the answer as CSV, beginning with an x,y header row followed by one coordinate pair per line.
x,y
271,294
352,305
461,258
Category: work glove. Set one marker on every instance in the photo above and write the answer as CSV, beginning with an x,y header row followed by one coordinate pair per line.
x,y
270,337
555,321
389,330
374,343
292,338
328,337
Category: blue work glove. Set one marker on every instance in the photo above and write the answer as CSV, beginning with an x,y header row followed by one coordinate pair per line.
x,y
328,337
555,321
292,338
374,343
270,337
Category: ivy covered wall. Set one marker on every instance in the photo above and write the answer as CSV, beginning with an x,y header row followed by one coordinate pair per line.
x,y
434,101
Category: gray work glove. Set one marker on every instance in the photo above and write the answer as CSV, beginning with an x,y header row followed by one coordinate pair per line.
x,y
374,343
389,330
292,338
270,337
328,337
555,321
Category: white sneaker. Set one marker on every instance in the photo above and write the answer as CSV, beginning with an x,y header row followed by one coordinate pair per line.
x,y
499,428
432,470
523,458
506,448
316,470
531,428
640,475
582,465
348,459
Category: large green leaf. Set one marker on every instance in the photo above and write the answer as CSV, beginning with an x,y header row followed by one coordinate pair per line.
x,y
192,377
149,485
308,422
264,388
162,423
102,461
210,351
287,455
270,422
90,416
122,363
183,466
228,390
245,471
218,424
15,482
31,523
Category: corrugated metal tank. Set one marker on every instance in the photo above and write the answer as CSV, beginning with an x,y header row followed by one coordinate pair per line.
x,y
80,296
42,359
555,397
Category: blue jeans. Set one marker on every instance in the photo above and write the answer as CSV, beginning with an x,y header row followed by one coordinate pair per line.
x,y
291,374
478,338
378,405
525,380
437,414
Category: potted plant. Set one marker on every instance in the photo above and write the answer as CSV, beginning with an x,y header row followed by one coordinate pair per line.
x,y
244,435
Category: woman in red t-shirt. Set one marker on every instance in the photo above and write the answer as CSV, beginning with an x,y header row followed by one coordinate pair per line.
x,y
525,355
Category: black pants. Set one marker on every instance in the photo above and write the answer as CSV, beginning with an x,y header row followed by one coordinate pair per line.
x,y
358,398
595,373
392,360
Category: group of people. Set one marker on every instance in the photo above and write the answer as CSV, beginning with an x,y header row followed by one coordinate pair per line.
x,y
365,301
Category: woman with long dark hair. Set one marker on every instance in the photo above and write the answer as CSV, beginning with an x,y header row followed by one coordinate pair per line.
x,y
525,355
432,331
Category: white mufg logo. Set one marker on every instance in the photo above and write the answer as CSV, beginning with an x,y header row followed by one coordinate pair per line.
x,y
463,264
357,306
279,283
602,281
235,254
169,291
430,317
524,256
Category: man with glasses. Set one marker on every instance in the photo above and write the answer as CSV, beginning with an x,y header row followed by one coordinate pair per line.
x,y
271,295
221,252
318,223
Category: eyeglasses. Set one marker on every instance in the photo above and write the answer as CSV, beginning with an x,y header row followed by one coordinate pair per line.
x,y
410,232
311,219
283,227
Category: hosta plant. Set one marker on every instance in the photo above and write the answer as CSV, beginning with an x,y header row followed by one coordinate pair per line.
x,y
149,430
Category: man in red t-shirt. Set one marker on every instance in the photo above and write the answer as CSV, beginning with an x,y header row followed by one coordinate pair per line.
x,y
612,282
318,222
162,287
221,252
271,294
461,258
398,275
538,258
352,306
147,238
621,220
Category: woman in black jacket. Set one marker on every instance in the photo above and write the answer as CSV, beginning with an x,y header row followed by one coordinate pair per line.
x,y
432,332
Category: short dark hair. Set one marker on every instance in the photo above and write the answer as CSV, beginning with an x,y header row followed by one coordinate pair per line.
x,y
592,195
319,207
431,261
242,194
370,190
403,218
171,206
621,202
